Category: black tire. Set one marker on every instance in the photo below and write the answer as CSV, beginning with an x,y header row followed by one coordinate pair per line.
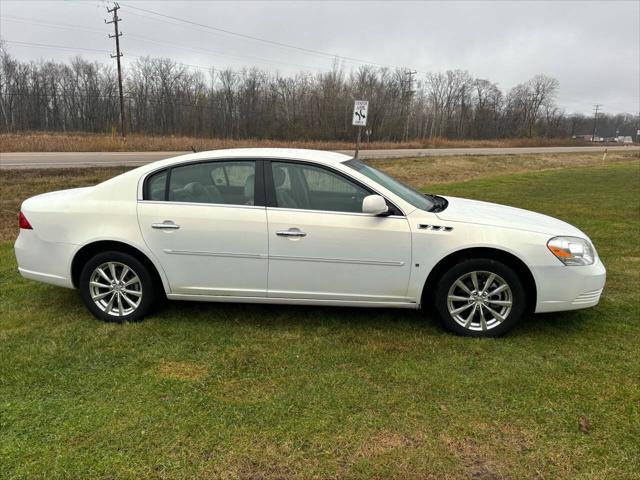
x,y
150,292
485,267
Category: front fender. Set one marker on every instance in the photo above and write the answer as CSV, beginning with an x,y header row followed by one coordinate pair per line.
x,y
430,247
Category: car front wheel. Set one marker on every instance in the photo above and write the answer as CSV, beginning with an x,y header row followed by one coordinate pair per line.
x,y
480,298
117,287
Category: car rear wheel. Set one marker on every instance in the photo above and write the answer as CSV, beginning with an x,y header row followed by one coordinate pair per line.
x,y
480,298
117,287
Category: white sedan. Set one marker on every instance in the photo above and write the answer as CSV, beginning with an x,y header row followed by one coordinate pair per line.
x,y
301,227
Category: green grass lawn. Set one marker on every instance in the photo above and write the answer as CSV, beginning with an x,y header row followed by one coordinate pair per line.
x,y
242,391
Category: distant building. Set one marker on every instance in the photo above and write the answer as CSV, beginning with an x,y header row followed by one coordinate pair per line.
x,y
627,140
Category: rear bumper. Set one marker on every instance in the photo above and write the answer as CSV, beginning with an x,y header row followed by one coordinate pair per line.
x,y
563,288
48,262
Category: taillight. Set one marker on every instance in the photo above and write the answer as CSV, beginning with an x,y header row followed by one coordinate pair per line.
x,y
24,223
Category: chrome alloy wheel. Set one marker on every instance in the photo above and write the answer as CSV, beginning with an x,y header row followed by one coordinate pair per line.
x,y
115,289
479,300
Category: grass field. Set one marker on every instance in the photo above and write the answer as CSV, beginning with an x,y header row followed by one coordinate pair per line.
x,y
95,142
273,392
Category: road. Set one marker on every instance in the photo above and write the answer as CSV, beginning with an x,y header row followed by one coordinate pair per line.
x,y
111,159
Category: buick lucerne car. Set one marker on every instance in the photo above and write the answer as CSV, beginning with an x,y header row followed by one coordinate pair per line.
x,y
301,227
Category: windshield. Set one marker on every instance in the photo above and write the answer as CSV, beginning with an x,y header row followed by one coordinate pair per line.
x,y
408,194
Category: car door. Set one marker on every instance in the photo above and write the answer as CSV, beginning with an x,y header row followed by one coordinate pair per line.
x,y
321,245
206,224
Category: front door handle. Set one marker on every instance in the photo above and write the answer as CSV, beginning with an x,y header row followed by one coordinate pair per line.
x,y
292,232
166,225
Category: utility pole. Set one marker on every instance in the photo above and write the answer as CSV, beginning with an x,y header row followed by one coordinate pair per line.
x,y
461,111
596,108
115,19
407,102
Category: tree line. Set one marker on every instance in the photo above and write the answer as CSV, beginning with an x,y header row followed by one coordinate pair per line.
x,y
163,97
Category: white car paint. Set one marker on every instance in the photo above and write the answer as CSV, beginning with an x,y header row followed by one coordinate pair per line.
x,y
490,214
233,253
344,257
219,250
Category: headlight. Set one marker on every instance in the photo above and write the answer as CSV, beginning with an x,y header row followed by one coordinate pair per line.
x,y
572,250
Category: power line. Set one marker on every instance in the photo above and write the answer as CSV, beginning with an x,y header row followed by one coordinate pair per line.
x,y
55,47
62,26
78,28
249,37
262,40
64,47
212,30
217,53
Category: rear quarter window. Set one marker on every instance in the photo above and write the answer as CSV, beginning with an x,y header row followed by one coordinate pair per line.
x,y
155,186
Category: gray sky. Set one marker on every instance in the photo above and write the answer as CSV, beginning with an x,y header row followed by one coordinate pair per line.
x,y
591,47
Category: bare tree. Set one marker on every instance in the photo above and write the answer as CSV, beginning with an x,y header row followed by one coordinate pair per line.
x,y
164,97
525,101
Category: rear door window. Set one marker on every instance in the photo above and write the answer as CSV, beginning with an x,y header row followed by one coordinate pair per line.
x,y
219,182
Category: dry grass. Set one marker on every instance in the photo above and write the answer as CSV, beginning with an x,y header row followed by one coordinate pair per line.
x,y
424,171
91,142
187,371
17,185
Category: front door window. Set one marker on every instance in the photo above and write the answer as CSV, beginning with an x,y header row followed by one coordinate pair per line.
x,y
307,187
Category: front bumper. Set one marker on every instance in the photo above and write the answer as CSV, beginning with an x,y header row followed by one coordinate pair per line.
x,y
563,288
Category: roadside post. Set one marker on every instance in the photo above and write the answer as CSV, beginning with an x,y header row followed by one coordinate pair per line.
x,y
360,112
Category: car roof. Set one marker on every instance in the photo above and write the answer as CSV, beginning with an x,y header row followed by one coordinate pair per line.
x,y
316,156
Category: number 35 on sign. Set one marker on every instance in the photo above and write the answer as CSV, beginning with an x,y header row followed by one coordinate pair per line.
x,y
360,112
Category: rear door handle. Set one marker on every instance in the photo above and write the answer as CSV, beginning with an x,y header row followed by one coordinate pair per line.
x,y
166,225
292,232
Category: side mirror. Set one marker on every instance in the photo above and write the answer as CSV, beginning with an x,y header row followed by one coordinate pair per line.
x,y
374,205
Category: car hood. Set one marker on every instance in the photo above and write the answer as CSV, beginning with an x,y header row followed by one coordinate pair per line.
x,y
485,213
